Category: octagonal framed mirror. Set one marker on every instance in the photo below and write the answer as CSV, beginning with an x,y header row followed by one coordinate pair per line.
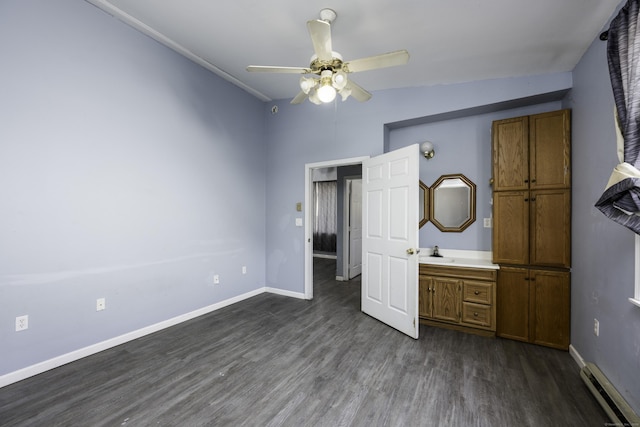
x,y
452,203
424,204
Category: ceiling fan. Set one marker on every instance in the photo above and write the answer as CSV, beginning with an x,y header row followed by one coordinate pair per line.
x,y
329,68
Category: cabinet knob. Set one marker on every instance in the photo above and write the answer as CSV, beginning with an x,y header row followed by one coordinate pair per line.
x,y
476,292
526,180
475,314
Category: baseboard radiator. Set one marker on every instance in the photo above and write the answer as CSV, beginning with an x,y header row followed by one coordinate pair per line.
x,y
611,401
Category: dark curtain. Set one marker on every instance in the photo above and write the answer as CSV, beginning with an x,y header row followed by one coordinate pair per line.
x,y
621,199
325,227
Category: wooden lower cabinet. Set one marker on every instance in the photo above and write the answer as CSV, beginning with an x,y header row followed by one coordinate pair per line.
x,y
533,305
459,297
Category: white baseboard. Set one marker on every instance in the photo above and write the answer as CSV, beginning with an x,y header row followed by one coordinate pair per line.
x,y
38,368
291,294
576,356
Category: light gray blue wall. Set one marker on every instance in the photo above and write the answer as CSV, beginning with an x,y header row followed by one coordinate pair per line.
x,y
126,172
602,251
462,145
308,133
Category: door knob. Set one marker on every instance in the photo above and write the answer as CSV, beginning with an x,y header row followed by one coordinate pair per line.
x,y
412,251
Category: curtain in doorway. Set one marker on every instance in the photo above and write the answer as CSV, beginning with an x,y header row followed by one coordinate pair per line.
x,y
621,198
324,227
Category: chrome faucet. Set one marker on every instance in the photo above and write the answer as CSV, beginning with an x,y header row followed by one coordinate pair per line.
x,y
435,251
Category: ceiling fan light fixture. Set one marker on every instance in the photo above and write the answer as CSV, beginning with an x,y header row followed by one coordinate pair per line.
x,y
307,83
339,80
345,92
326,92
313,97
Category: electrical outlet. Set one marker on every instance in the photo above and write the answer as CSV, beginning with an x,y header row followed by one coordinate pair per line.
x,y
244,269
216,279
487,223
596,327
22,323
100,304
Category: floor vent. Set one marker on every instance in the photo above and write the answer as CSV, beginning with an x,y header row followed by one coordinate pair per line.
x,y
611,401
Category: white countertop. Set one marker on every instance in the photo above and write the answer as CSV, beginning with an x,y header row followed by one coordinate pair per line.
x,y
458,258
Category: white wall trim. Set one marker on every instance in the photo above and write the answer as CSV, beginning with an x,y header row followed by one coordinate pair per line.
x,y
576,356
38,368
308,223
285,293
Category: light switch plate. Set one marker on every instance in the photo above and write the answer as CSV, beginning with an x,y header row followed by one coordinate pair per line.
x,y
298,222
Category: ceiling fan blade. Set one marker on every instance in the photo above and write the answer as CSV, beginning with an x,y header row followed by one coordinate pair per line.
x,y
275,69
299,98
391,59
320,32
358,92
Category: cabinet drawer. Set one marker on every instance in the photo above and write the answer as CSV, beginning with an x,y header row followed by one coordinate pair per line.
x,y
478,292
477,314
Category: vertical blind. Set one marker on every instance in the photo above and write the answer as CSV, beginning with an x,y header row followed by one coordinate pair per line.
x,y
325,227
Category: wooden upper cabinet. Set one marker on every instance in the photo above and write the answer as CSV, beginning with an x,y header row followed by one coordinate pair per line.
x,y
532,152
550,150
511,154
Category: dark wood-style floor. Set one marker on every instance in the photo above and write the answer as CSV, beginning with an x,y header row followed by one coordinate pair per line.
x,y
273,360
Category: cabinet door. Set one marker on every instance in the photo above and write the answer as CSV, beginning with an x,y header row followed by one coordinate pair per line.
x,y
550,306
446,299
512,307
424,297
550,150
550,234
511,227
510,151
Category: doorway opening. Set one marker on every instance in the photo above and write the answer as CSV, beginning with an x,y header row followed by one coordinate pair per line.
x,y
310,215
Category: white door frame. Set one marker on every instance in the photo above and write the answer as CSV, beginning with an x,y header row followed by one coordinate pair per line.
x,y
308,206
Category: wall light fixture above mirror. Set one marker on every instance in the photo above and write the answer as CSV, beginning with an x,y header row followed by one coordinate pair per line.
x,y
427,150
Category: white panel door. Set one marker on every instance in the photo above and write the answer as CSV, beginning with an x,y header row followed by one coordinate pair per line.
x,y
355,227
390,239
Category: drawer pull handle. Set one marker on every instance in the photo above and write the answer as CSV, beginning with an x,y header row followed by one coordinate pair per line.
x,y
476,292
475,314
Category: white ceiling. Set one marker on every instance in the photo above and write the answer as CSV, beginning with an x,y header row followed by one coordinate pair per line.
x,y
449,41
